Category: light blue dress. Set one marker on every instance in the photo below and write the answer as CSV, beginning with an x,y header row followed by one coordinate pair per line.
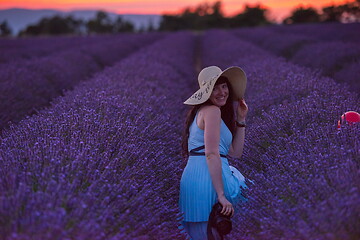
x,y
197,193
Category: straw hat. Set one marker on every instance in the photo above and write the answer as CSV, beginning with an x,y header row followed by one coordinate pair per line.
x,y
207,79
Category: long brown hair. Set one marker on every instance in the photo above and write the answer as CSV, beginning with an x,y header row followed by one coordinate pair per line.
x,y
227,115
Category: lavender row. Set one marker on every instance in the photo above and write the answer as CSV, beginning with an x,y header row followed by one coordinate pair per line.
x,y
333,59
104,161
286,40
305,171
324,31
307,49
27,86
284,44
26,48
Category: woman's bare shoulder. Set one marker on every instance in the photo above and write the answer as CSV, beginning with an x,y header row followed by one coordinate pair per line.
x,y
211,111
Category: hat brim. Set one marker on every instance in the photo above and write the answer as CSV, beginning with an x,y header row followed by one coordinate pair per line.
x,y
237,79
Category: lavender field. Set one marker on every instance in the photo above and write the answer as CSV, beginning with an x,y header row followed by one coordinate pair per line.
x,y
28,84
331,48
91,134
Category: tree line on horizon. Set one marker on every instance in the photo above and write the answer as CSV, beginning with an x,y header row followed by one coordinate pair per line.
x,y
201,17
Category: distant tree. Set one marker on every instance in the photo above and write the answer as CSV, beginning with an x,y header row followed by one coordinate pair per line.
x,y
192,19
203,16
206,16
100,24
31,30
76,25
331,14
150,27
215,18
303,15
171,23
141,29
5,29
348,12
352,12
121,25
59,25
56,25
251,16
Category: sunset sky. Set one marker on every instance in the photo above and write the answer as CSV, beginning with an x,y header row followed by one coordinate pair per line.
x,y
278,8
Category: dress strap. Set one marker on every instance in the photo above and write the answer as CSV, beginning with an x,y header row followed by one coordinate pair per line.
x,y
198,148
194,152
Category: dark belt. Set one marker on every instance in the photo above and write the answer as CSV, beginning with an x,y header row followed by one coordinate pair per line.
x,y
193,152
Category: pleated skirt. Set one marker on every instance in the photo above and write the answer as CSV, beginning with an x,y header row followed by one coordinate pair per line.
x,y
197,193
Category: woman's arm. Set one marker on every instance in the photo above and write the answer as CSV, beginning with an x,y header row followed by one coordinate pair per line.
x,y
212,121
237,145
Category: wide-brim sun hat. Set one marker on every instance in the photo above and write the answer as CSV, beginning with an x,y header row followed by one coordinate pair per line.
x,y
208,77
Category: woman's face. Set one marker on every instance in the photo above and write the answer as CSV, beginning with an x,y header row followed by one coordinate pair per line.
x,y
219,94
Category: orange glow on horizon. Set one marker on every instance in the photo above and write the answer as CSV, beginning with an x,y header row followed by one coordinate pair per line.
x,y
277,8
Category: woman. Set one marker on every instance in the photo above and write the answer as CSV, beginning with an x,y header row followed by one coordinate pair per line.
x,y
213,130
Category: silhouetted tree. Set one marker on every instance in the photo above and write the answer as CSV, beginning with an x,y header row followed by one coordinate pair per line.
x,y
100,24
348,12
331,14
215,17
31,30
76,25
120,25
192,19
5,29
201,17
206,16
251,16
150,27
56,25
303,15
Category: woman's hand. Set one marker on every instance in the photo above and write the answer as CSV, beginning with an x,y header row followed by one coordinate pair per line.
x,y
241,110
227,209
